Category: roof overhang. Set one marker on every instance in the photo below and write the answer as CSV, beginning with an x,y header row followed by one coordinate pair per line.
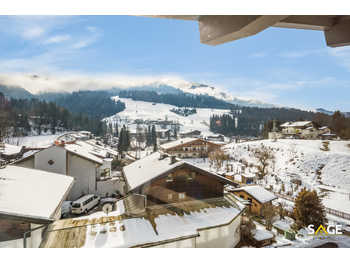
x,y
219,29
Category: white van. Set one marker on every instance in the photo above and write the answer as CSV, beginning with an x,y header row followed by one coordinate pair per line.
x,y
84,204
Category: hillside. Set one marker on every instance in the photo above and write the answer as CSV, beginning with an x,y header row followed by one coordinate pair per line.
x,y
15,92
300,159
157,111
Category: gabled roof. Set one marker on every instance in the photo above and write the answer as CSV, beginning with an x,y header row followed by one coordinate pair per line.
x,y
31,195
183,141
258,193
176,143
153,166
295,124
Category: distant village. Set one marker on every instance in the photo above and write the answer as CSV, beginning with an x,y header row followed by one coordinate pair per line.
x,y
150,185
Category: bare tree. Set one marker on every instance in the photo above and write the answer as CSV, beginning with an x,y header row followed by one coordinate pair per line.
x,y
265,157
217,158
268,212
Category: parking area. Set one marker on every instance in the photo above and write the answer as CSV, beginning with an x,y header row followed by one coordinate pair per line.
x,y
66,208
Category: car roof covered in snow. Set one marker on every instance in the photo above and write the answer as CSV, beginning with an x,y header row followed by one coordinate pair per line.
x,y
154,165
30,194
259,193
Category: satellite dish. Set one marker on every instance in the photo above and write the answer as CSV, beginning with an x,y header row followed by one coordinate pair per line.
x,y
107,208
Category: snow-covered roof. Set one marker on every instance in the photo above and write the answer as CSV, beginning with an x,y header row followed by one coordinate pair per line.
x,y
258,192
31,194
142,231
295,124
261,234
283,224
79,148
323,128
177,143
152,166
10,149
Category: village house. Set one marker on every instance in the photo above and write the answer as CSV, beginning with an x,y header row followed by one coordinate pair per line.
x,y
301,130
88,163
30,201
295,128
190,148
258,196
191,134
169,203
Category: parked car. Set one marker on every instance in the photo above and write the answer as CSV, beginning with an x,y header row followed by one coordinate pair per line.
x,y
85,203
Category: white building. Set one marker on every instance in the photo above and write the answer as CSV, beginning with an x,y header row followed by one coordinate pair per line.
x,y
88,163
30,200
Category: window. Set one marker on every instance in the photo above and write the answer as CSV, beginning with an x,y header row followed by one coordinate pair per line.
x,y
169,178
50,162
182,196
191,176
170,196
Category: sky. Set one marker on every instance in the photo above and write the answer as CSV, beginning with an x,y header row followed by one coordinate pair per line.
x,y
286,67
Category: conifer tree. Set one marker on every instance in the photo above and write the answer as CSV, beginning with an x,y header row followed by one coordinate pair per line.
x,y
308,209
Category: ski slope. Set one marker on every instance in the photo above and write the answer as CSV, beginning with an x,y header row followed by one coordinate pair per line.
x,y
158,111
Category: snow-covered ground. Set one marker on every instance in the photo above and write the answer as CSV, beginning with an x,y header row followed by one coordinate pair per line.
x,y
300,159
158,111
34,141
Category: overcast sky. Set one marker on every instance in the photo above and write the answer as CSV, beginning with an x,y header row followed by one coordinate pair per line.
x,y
282,66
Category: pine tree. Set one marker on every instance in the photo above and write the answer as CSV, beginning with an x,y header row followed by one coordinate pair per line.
x,y
308,209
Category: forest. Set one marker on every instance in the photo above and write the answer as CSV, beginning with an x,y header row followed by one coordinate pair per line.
x,y
20,117
179,99
251,120
96,104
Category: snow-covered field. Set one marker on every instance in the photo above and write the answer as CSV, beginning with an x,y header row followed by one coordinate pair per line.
x,y
150,111
34,141
303,160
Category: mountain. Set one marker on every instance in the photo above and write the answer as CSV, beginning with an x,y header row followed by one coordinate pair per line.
x,y
203,89
321,110
15,92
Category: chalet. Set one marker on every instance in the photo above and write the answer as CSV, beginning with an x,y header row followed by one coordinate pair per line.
x,y
30,201
190,148
257,195
169,203
295,128
88,163
191,134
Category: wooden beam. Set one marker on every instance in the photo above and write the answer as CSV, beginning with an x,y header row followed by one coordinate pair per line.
x,y
339,34
307,22
216,30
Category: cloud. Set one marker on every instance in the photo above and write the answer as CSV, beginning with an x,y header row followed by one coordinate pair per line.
x,y
57,39
74,81
258,55
33,32
342,55
293,54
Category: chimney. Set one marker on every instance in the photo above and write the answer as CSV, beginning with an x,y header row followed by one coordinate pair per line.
x,y
173,159
162,156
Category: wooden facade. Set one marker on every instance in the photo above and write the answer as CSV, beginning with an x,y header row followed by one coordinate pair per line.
x,y
181,184
195,149
255,207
